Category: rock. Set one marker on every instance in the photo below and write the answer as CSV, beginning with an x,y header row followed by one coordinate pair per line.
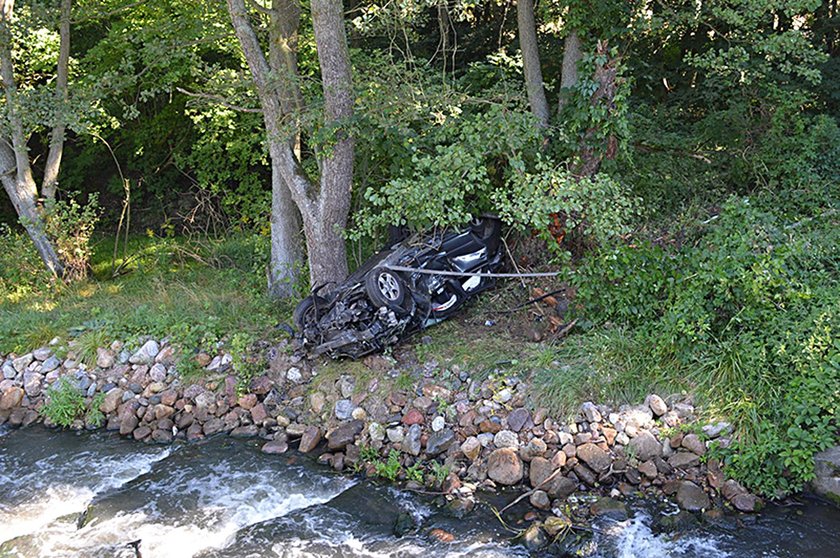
x,y
275,447
506,439
11,398
162,436
683,460
692,443
163,411
442,536
412,442
316,402
248,401
247,431
142,432
746,503
504,466
609,507
716,430
111,401
42,354
826,481
262,385
648,469
344,409
395,435
344,434
22,362
519,419
536,447
657,405
359,414
32,383
540,500
376,432
591,412
52,363
597,459
691,497
534,537
558,487
440,442
438,423
146,354
9,372
213,426
413,416
310,439
259,414
644,446
471,448
157,373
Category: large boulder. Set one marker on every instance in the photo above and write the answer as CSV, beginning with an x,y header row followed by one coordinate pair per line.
x,y
597,459
691,497
504,466
826,481
644,446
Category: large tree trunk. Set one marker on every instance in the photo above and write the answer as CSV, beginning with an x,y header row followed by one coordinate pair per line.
x,y
324,209
14,156
569,76
56,151
330,265
531,60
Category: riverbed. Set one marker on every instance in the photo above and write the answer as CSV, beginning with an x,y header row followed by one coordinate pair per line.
x,y
96,494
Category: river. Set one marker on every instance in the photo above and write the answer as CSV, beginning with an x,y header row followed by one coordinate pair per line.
x,y
97,495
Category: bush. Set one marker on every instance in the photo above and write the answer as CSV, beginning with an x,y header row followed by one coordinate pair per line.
x,y
746,318
70,225
65,403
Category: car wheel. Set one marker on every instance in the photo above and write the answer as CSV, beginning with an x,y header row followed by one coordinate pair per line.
x,y
308,311
385,288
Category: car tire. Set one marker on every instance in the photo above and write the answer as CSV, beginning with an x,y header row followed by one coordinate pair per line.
x,y
385,288
307,311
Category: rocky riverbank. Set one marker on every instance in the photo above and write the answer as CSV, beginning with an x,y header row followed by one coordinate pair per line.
x,y
455,433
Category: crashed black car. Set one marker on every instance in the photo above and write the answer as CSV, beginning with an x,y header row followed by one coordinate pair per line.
x,y
400,290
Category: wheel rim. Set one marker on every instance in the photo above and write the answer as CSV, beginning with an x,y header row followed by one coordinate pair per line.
x,y
388,286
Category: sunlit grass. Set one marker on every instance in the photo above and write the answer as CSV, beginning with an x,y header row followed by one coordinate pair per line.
x,y
159,294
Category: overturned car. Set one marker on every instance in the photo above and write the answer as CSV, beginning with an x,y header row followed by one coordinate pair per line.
x,y
403,289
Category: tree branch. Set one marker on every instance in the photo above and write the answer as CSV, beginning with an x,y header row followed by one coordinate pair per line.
x,y
53,165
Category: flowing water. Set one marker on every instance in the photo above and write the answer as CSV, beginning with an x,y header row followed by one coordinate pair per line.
x,y
94,494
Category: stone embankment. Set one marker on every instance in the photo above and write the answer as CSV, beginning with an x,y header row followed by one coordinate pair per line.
x,y
482,431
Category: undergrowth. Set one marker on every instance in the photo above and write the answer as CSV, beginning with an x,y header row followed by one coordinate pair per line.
x,y
745,317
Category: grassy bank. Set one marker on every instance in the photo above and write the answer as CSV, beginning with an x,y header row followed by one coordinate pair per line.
x,y
164,287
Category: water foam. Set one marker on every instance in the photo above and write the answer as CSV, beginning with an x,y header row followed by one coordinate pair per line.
x,y
182,515
39,498
633,538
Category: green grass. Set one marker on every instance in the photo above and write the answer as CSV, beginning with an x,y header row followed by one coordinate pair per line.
x,y
165,292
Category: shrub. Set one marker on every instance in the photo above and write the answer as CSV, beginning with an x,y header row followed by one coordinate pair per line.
x,y
70,225
65,403
746,318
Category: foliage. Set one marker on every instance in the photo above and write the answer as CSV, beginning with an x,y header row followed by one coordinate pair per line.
x,y
21,271
70,225
391,468
746,317
65,403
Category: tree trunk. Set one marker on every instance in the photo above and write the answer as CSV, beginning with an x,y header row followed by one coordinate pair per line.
x,y
56,151
324,209
531,60
569,76
23,196
14,156
330,264
286,254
